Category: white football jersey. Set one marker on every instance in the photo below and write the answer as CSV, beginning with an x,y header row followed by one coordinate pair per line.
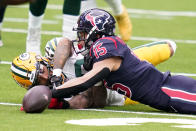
x,y
74,66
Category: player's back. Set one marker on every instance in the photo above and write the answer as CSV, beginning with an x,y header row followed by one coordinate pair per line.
x,y
133,76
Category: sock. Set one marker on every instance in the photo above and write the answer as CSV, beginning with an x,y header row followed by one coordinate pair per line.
x,y
35,21
38,7
87,4
0,30
116,6
69,21
2,12
71,7
34,34
70,17
1,43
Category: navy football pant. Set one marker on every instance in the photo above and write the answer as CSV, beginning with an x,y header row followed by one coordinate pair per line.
x,y
182,91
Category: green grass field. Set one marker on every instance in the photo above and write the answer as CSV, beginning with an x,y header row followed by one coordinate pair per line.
x,y
177,22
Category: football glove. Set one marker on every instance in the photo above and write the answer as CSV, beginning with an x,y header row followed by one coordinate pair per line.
x,y
88,62
56,81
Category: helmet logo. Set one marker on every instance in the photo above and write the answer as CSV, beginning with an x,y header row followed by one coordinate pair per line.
x,y
24,56
98,19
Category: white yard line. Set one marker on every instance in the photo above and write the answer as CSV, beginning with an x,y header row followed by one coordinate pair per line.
x,y
115,111
174,73
157,39
5,62
162,13
11,30
57,33
10,104
25,20
131,11
141,113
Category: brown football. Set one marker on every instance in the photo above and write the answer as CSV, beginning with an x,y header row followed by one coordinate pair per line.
x,y
37,99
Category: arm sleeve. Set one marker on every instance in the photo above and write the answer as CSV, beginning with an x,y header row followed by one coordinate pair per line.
x,y
74,90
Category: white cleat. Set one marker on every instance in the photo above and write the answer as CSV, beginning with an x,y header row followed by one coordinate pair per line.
x,y
1,43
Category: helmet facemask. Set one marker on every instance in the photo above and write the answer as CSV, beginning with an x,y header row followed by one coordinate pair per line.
x,y
87,36
41,61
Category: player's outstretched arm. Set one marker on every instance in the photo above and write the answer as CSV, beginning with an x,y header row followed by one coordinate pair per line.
x,y
62,53
100,71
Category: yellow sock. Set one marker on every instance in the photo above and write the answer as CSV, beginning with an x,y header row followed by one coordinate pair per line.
x,y
124,25
128,101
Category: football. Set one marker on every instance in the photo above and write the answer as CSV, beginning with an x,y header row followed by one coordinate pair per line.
x,y
37,99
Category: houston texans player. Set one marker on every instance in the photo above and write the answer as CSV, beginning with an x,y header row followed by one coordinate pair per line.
x,y
72,64
111,60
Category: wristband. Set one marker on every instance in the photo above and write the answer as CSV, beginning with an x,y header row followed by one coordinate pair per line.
x,y
57,72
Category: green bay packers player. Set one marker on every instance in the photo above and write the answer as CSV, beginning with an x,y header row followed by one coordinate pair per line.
x,y
29,70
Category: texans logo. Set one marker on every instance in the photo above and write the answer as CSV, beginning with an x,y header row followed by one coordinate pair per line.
x,y
98,19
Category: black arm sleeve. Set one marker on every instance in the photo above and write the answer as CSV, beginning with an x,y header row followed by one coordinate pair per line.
x,y
74,90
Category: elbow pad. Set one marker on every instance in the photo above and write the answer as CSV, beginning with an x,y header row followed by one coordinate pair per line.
x,y
74,90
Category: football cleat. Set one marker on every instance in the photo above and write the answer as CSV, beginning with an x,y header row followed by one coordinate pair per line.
x,y
124,25
128,101
1,43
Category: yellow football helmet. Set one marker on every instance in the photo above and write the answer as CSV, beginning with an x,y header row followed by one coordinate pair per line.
x,y
26,67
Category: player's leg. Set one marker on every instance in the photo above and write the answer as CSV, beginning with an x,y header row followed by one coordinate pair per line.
x,y
182,91
71,10
87,4
122,18
2,12
156,52
36,14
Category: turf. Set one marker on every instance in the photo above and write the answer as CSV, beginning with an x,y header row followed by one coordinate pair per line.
x,y
172,27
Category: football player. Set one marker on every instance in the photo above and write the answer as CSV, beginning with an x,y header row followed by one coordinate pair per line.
x,y
36,15
70,16
120,13
3,6
28,62
110,60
